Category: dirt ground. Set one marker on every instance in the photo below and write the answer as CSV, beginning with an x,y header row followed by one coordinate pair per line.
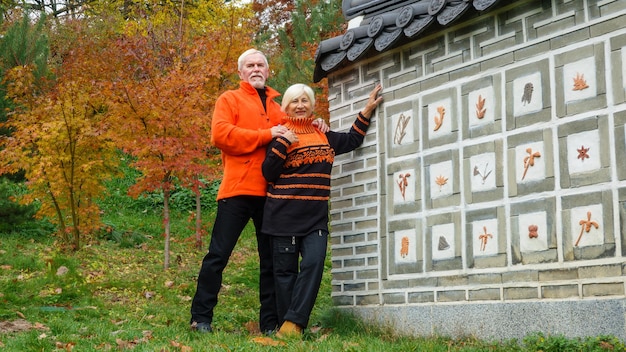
x,y
18,325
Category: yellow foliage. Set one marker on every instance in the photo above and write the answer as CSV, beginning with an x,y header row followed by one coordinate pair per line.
x,y
62,145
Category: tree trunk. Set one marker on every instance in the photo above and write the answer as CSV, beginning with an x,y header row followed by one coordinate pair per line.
x,y
198,221
166,225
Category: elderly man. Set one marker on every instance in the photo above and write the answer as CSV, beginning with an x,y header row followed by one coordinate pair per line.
x,y
244,121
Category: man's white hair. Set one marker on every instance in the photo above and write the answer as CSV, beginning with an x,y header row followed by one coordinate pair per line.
x,y
242,57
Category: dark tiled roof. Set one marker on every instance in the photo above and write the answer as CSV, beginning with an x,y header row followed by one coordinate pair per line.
x,y
387,24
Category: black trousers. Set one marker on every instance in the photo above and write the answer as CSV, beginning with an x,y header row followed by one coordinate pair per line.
x,y
232,216
297,286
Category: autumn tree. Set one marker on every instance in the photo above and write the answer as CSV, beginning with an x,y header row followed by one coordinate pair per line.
x,y
290,31
167,76
21,44
60,139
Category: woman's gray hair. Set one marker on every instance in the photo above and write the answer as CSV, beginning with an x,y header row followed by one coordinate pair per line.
x,y
249,52
295,91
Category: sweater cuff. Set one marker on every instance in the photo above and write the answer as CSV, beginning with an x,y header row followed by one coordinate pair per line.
x,y
284,141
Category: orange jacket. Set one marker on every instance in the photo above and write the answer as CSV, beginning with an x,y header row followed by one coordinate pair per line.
x,y
241,130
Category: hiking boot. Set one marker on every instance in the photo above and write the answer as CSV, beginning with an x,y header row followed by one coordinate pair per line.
x,y
201,327
289,329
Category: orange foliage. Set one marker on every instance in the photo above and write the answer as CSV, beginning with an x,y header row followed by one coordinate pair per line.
x,y
161,96
60,139
162,103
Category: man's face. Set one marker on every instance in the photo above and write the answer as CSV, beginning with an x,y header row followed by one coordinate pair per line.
x,y
254,70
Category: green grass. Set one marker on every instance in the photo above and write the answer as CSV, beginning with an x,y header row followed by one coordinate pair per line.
x,y
115,295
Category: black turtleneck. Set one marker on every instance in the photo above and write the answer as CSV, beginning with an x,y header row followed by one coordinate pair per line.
x,y
263,96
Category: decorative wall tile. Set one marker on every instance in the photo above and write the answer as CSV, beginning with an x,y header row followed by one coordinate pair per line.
x,y
443,241
588,231
402,132
587,221
440,118
483,177
405,247
482,107
483,172
401,128
584,152
441,175
485,237
441,179
579,80
529,163
528,95
533,232
482,103
581,75
403,187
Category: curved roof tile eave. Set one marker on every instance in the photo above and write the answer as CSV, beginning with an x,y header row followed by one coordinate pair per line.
x,y
387,24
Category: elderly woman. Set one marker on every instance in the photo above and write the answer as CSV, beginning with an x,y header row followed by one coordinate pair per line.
x,y
298,166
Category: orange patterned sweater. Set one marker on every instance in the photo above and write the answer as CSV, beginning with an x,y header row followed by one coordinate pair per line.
x,y
299,176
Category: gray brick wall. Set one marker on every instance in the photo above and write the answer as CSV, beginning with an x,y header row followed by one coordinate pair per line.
x,y
482,224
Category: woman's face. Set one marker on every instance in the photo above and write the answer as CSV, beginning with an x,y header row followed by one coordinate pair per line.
x,y
300,106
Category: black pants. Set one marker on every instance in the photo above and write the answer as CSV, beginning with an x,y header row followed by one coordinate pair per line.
x,y
297,287
232,216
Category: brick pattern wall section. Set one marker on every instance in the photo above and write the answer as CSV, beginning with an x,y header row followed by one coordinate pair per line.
x,y
547,45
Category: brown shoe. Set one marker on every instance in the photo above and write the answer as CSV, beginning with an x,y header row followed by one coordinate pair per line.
x,y
289,329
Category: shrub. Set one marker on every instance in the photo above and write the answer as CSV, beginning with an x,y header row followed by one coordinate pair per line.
x,y
13,214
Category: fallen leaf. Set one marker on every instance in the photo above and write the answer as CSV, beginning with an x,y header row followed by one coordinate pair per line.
x,y
315,329
62,270
125,344
65,346
40,326
181,346
252,327
268,341
323,337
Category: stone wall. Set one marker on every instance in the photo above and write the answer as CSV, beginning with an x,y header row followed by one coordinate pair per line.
x,y
489,197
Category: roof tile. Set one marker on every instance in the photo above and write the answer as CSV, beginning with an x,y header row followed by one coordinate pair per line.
x,y
385,24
